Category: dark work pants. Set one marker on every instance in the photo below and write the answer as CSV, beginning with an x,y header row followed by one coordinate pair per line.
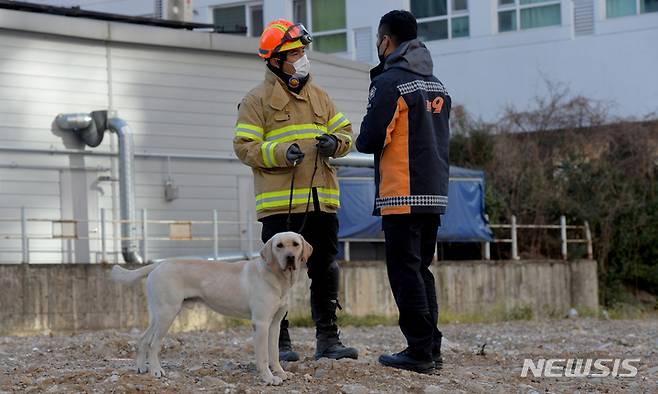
x,y
321,231
410,246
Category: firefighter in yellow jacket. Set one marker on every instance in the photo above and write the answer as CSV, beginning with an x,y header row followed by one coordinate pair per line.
x,y
287,130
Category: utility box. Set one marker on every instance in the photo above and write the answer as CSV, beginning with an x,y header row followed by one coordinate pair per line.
x,y
179,10
170,191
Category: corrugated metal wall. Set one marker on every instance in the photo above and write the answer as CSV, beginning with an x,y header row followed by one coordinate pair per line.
x,y
178,101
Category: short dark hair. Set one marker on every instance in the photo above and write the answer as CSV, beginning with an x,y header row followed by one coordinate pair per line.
x,y
400,25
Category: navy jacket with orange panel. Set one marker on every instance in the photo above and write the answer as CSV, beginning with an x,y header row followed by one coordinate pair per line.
x,y
407,128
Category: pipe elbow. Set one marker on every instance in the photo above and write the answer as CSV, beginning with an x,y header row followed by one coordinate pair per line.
x,y
131,256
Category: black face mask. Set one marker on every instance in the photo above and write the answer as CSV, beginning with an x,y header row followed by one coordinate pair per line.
x,y
380,67
381,56
293,84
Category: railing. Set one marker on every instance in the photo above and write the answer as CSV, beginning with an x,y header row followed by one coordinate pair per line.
x,y
564,240
513,239
179,230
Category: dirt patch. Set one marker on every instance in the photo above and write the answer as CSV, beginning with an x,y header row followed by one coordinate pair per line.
x,y
478,358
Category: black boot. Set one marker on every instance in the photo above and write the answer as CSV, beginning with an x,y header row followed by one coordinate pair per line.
x,y
436,357
324,300
285,345
328,341
409,360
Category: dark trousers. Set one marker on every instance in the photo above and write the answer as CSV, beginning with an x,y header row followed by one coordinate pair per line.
x,y
410,246
321,231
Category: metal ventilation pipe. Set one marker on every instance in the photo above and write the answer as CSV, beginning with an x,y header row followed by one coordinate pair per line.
x,y
90,128
129,246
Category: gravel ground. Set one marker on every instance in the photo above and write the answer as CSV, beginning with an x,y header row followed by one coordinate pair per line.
x,y
222,362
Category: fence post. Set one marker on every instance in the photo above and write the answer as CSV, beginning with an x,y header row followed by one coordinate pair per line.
x,y
250,234
346,250
24,239
563,236
215,235
487,245
103,246
588,237
145,235
515,246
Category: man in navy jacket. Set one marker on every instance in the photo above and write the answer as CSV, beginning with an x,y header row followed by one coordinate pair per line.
x,y
407,129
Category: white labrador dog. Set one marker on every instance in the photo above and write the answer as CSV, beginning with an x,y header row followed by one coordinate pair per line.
x,y
255,289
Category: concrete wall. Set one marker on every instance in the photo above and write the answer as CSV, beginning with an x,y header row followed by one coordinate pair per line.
x,y
38,298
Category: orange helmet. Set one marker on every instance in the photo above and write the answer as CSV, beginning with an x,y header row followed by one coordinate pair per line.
x,y
282,35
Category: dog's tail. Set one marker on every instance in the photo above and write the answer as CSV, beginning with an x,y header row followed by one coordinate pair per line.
x,y
122,275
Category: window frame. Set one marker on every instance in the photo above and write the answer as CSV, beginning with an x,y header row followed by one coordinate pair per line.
x,y
248,5
517,7
309,26
638,10
450,14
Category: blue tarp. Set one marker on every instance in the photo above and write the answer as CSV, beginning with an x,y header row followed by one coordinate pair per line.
x,y
463,221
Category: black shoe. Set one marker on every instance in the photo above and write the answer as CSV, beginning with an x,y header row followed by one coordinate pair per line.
x,y
438,360
287,354
408,361
335,351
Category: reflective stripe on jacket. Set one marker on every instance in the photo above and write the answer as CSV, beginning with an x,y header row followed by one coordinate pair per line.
x,y
270,119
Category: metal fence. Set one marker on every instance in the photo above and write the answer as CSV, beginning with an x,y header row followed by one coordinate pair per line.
x,y
178,230
182,230
513,238
562,227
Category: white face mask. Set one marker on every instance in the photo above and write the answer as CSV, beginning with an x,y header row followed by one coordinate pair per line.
x,y
302,66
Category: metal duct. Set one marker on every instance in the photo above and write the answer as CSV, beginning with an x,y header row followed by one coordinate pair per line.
x,y
129,246
90,129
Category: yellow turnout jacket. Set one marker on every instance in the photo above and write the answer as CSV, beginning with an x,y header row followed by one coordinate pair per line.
x,y
270,119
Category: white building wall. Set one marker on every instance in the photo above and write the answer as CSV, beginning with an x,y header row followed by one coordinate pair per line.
x,y
38,79
488,71
180,100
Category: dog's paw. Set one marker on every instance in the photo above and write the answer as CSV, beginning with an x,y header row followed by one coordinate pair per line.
x,y
272,380
284,375
158,372
142,369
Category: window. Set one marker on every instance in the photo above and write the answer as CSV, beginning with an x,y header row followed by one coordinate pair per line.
x,y
528,14
328,23
256,25
299,13
617,8
442,19
242,19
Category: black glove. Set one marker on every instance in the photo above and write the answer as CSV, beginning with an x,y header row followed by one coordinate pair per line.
x,y
294,154
327,144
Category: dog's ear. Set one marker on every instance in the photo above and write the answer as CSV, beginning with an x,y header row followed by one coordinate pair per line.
x,y
266,253
307,250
